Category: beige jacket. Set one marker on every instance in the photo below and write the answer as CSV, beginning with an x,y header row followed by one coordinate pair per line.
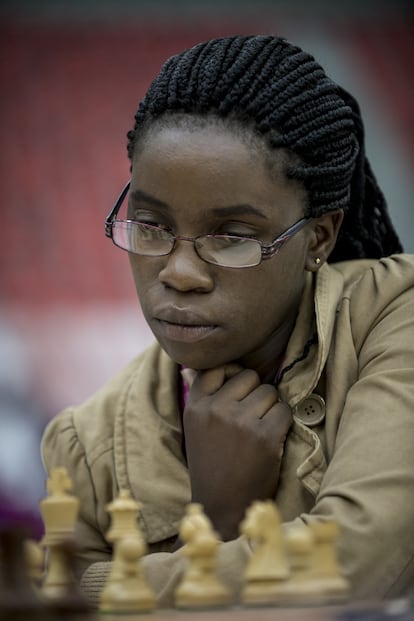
x,y
351,460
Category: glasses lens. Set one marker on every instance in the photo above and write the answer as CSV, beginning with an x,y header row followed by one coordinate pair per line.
x,y
141,238
229,251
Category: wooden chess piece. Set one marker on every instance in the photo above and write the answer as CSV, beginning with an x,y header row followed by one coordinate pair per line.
x,y
59,511
18,598
70,603
35,562
123,511
123,575
129,592
268,567
325,566
301,588
200,587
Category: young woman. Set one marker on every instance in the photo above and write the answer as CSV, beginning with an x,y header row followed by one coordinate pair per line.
x,y
283,367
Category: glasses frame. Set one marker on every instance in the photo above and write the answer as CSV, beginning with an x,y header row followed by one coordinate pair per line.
x,y
267,250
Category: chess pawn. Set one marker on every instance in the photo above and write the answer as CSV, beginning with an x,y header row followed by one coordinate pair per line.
x,y
59,511
200,587
333,585
128,590
268,567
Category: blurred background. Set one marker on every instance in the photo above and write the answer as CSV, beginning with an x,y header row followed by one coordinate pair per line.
x,y
72,74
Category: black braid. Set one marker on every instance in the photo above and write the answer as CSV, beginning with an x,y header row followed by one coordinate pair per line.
x,y
282,93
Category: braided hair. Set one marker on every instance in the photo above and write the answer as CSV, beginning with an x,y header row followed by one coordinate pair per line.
x,y
283,95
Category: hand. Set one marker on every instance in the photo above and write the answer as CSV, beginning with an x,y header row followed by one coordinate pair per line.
x,y
235,430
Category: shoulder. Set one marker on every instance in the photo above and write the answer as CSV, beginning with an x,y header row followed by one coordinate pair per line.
x,y
397,271
379,294
89,427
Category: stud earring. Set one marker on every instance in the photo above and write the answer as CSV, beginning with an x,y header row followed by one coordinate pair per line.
x,y
317,260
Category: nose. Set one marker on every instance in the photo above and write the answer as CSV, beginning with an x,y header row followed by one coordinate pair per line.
x,y
185,271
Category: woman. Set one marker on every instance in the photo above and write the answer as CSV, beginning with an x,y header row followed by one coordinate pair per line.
x,y
283,366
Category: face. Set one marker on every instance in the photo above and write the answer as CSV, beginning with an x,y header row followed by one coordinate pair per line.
x,y
208,180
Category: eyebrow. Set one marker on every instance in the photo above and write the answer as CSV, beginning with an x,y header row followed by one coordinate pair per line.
x,y
228,210
139,195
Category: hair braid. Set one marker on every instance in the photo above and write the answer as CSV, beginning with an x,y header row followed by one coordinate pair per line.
x,y
281,92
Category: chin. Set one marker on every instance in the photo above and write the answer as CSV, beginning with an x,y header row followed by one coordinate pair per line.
x,y
200,361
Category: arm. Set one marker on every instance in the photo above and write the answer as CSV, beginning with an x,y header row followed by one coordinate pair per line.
x,y
369,483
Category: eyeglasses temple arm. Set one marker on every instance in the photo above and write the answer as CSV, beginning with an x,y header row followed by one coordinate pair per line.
x,y
114,212
269,251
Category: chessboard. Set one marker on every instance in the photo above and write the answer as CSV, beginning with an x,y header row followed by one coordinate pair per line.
x,y
367,612
292,576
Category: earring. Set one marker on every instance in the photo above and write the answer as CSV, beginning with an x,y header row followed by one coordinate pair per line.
x,y
317,260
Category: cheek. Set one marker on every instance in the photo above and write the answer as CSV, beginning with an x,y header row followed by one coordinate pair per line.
x,y
145,274
269,296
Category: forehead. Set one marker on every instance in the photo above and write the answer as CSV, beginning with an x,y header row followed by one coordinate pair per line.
x,y
212,146
214,161
201,135
226,133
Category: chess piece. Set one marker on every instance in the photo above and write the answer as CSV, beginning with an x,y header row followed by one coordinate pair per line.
x,y
332,584
59,511
123,511
70,603
18,599
129,591
301,588
35,561
199,587
268,567
125,588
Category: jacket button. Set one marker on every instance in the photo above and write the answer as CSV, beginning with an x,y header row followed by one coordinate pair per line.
x,y
311,411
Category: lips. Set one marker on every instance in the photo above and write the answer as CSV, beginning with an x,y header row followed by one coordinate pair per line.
x,y
182,316
183,324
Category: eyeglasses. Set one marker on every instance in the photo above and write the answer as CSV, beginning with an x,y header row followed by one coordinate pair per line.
x,y
223,250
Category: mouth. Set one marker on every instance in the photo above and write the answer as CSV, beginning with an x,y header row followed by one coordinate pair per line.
x,y
182,325
184,333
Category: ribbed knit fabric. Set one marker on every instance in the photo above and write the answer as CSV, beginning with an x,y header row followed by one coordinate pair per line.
x,y
93,581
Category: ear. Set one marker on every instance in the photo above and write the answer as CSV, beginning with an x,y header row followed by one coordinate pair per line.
x,y
323,234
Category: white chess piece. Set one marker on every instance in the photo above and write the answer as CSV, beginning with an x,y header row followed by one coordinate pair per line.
x,y
268,568
126,575
59,511
200,587
129,592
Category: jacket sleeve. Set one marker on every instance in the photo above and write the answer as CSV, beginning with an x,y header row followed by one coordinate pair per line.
x,y
61,447
369,483
164,571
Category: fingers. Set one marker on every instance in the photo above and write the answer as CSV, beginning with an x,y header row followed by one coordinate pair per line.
x,y
238,392
210,381
277,422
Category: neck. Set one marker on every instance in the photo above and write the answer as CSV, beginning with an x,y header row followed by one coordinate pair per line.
x,y
267,360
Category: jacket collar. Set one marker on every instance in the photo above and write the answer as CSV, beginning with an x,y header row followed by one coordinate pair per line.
x,y
317,313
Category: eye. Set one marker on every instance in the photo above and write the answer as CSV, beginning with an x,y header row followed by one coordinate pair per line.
x,y
147,217
236,230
